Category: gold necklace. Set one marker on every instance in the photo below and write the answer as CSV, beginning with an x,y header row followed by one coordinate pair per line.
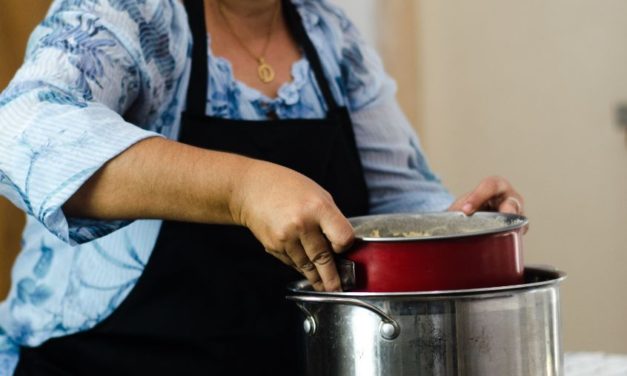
x,y
264,70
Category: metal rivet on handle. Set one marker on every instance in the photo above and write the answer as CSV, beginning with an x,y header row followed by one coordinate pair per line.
x,y
388,330
309,325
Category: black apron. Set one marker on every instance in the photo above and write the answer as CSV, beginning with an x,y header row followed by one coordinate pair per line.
x,y
211,301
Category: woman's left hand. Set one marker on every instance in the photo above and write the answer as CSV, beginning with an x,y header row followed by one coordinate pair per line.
x,y
492,194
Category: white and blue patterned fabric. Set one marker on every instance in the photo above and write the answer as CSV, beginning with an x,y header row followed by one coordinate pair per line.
x,y
101,75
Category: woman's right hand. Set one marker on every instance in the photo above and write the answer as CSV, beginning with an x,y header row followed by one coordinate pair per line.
x,y
294,218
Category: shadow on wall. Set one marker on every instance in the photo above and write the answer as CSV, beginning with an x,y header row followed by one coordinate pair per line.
x,y
17,20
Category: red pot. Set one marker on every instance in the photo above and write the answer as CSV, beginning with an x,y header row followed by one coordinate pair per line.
x,y
436,251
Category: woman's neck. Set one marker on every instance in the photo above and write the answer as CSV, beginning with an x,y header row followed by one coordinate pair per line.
x,y
249,8
250,17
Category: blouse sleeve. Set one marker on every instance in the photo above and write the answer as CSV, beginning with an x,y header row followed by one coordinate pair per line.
x,y
354,66
64,115
398,176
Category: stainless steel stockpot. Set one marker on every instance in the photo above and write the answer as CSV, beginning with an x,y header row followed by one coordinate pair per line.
x,y
510,330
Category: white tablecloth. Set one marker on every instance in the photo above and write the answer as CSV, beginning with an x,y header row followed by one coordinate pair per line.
x,y
594,364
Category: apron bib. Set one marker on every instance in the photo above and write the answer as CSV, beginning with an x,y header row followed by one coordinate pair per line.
x,y
211,301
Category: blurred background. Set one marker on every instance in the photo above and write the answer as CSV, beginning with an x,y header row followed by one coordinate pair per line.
x,y
530,90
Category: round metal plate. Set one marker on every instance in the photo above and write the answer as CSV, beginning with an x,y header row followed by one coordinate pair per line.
x,y
432,226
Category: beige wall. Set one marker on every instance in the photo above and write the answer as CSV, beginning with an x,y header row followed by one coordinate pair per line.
x,y
17,19
527,89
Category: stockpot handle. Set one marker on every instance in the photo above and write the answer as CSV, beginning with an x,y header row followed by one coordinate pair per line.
x,y
389,328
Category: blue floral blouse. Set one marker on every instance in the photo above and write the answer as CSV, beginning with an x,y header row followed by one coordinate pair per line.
x,y
101,75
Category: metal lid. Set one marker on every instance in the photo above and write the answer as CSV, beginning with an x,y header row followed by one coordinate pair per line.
x,y
431,226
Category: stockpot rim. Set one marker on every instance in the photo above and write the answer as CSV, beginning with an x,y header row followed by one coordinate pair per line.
x,y
513,222
537,276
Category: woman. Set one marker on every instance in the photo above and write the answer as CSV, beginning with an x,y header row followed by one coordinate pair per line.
x,y
285,124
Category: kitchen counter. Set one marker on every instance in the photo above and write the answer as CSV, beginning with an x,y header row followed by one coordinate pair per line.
x,y
594,364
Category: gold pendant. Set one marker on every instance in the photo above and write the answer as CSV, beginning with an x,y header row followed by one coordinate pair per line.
x,y
265,72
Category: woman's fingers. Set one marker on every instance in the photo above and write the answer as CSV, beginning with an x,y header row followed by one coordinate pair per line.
x,y
296,221
489,189
457,205
311,252
493,193
319,252
296,253
512,205
337,229
313,258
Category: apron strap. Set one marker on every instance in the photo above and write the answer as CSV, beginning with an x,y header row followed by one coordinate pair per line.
x,y
197,92
296,26
199,80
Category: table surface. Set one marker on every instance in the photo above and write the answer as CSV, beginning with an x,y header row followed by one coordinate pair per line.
x,y
594,364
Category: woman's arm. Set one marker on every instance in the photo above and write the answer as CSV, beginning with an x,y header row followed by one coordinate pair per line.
x,y
65,147
61,116
293,217
163,179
